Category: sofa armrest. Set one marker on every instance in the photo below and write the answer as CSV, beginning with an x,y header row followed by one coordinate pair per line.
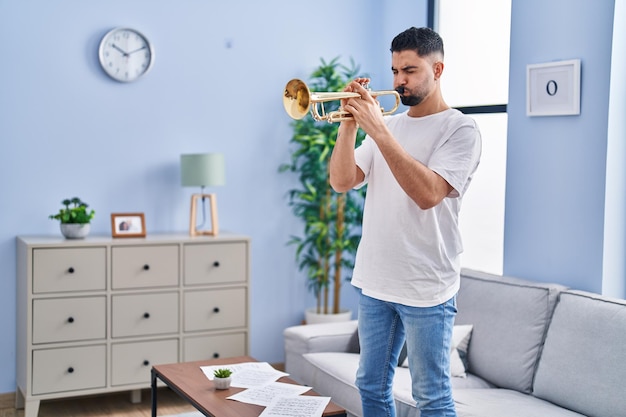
x,y
309,338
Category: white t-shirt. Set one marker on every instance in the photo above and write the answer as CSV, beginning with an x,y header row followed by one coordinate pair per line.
x,y
408,255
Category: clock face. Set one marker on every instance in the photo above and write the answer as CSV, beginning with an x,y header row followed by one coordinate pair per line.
x,y
125,54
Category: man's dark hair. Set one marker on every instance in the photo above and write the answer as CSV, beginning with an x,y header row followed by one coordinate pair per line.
x,y
424,41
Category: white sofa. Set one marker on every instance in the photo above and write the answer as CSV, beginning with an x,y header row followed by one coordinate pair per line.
x,y
535,350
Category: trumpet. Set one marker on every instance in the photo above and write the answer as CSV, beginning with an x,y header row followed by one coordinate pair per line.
x,y
298,100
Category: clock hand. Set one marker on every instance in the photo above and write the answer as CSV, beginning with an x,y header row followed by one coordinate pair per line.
x,y
124,53
137,50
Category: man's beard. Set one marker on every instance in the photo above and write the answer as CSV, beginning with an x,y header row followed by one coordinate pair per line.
x,y
411,99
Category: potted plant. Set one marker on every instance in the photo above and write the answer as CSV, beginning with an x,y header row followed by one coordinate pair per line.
x,y
75,218
222,378
331,220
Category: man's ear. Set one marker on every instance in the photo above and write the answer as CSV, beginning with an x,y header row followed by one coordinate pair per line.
x,y
437,69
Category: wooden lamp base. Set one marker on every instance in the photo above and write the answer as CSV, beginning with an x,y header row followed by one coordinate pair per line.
x,y
193,230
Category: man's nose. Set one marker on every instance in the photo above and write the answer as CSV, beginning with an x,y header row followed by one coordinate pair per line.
x,y
399,80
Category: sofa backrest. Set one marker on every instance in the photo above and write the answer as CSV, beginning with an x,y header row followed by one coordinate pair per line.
x,y
583,365
510,317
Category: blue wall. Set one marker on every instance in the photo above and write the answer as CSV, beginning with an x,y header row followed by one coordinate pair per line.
x,y
66,129
556,166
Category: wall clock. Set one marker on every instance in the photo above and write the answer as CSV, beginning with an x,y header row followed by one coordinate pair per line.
x,y
125,54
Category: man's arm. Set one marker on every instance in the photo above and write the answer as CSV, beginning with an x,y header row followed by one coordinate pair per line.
x,y
344,172
424,186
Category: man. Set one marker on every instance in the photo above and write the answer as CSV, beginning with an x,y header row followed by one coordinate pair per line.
x,y
418,165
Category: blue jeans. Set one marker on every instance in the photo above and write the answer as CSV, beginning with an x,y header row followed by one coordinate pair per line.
x,y
383,328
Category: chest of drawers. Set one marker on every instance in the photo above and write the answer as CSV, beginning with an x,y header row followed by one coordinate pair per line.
x,y
93,315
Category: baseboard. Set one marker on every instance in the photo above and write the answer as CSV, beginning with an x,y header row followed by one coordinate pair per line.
x,y
7,400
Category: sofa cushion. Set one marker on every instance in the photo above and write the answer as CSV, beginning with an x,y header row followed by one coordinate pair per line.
x,y
509,318
460,343
402,392
458,354
333,374
504,403
583,365
314,338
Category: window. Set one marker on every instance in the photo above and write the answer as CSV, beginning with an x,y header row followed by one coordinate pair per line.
x,y
476,37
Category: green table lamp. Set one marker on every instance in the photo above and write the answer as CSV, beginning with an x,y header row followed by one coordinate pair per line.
x,y
202,170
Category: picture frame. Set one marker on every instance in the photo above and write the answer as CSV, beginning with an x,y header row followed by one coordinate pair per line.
x,y
553,88
128,225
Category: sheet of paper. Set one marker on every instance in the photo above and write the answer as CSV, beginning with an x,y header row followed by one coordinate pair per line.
x,y
300,406
247,374
265,394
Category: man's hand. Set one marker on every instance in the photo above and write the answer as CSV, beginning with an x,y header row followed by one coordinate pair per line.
x,y
350,88
364,109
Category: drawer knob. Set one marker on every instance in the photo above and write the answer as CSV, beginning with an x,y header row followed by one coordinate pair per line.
x,y
146,362
146,267
216,309
70,319
216,264
70,370
70,270
146,315
216,355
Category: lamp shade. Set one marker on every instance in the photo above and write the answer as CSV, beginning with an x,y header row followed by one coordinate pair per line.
x,y
202,170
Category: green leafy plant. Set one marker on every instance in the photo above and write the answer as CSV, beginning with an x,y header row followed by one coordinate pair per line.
x,y
332,221
222,373
74,211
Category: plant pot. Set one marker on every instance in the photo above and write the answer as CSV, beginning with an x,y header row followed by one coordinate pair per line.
x,y
312,317
221,383
75,230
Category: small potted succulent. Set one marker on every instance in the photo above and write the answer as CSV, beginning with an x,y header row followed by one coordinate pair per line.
x,y
74,217
221,378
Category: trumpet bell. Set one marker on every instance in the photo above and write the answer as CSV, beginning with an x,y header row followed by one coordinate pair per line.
x,y
297,99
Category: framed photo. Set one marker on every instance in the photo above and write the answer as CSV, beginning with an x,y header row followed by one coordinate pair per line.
x,y
128,224
553,89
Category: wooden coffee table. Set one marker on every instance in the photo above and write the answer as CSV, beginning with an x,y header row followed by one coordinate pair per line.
x,y
189,382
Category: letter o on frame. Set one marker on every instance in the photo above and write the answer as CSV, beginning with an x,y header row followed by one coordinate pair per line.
x,y
552,87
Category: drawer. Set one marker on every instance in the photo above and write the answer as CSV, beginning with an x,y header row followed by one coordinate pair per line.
x,y
69,269
198,348
144,314
215,263
69,369
144,266
132,362
215,309
69,319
